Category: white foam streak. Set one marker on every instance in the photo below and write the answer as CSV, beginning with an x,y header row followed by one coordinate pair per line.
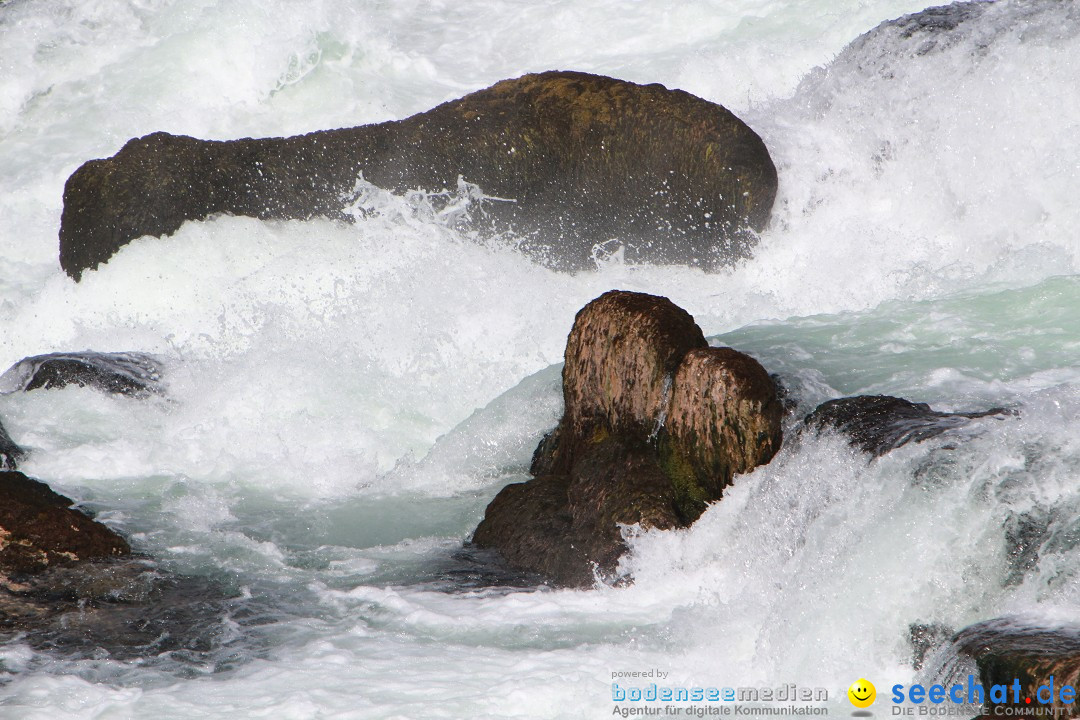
x,y
343,399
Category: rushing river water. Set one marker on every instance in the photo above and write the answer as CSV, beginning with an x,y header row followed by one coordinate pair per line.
x,y
344,400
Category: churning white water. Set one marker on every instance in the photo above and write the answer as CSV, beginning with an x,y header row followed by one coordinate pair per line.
x,y
344,400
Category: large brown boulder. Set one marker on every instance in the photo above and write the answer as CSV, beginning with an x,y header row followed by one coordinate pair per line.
x,y
39,529
655,425
578,159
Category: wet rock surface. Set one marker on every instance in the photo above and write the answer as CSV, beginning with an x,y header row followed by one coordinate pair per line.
x,y
576,159
925,639
121,609
69,583
877,424
126,373
39,529
938,19
10,453
1010,649
928,31
655,425
72,585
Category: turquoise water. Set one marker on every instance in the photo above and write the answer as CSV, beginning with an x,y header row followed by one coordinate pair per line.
x,y
343,401
990,346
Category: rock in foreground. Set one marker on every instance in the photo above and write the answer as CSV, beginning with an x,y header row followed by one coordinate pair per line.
x,y
71,584
39,529
655,425
1007,650
577,159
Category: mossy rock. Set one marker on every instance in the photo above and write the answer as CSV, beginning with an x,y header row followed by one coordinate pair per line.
x,y
656,425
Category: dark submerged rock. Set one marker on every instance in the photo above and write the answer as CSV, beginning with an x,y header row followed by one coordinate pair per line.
x,y
877,424
10,453
70,584
39,529
1008,649
923,33
127,608
127,373
655,425
1025,535
935,20
579,158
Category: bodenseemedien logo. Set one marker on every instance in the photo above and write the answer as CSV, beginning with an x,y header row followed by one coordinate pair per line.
x,y
787,701
788,693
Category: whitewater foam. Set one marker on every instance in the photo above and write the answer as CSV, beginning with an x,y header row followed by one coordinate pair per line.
x,y
344,399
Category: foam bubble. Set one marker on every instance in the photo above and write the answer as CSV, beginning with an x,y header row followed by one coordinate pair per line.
x,y
344,399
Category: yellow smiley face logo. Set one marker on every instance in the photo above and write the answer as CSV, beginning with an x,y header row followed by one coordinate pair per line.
x,y
862,693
